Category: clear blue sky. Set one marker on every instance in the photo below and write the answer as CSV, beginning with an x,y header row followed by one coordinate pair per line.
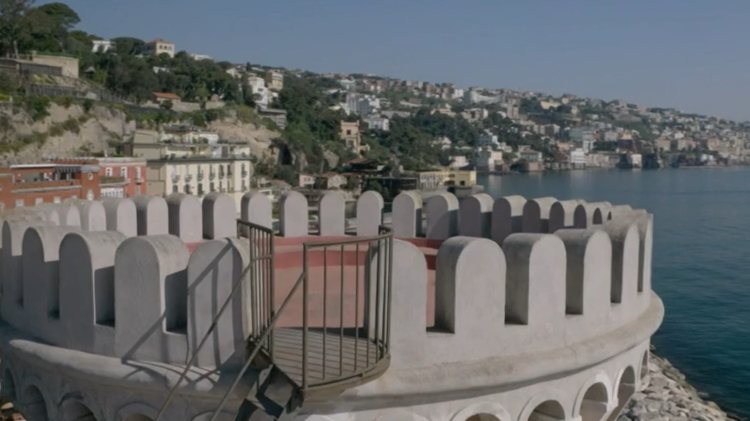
x,y
690,54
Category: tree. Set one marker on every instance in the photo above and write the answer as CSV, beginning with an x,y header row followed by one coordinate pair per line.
x,y
128,45
12,23
47,26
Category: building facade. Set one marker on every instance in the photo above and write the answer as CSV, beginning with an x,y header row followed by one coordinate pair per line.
x,y
35,184
159,46
199,176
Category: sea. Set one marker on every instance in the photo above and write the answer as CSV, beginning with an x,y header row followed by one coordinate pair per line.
x,y
701,266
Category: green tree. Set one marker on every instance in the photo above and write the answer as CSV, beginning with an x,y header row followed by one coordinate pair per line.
x,y
47,26
12,24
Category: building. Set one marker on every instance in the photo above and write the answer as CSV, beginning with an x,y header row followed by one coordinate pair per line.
x,y
101,45
487,138
555,325
34,184
148,144
277,115
118,176
261,94
275,80
378,123
458,162
162,98
351,135
159,46
68,65
199,57
433,180
489,160
197,175
578,158
306,180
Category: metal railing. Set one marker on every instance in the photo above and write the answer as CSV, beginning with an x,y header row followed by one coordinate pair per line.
x,y
359,339
349,348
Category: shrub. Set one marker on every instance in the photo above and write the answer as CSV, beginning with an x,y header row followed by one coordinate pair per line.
x,y
36,106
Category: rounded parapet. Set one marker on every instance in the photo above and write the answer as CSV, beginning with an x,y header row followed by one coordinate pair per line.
x,y
255,207
369,213
475,215
407,214
184,211
93,215
87,290
219,216
151,215
442,216
293,216
121,216
332,214
566,214
536,215
507,217
151,299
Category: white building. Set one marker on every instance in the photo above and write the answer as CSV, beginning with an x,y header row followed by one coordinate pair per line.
x,y
101,45
261,94
159,46
488,160
489,139
378,123
578,158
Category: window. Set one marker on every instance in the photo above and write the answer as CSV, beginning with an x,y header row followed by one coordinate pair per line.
x,y
108,171
57,199
138,172
38,200
19,203
174,188
90,195
124,172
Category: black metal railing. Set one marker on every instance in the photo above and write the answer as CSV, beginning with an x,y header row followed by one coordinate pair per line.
x,y
261,279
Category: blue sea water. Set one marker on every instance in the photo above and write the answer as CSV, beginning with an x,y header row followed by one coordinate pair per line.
x,y
701,263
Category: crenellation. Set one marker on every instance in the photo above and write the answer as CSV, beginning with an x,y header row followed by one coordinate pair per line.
x,y
332,214
151,271
122,216
40,294
407,214
575,300
151,215
212,272
219,216
184,211
566,214
536,215
507,217
256,207
369,215
93,215
475,215
87,290
442,216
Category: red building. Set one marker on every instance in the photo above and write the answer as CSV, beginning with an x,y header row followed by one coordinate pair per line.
x,y
120,176
33,184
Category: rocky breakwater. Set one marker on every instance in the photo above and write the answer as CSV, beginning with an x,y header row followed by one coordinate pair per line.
x,y
670,397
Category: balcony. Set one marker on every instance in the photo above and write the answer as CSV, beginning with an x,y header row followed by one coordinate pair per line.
x,y
176,178
189,178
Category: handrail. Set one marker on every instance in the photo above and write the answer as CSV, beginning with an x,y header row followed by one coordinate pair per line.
x,y
258,346
211,328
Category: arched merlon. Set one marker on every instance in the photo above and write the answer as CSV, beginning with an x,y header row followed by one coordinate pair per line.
x,y
255,207
536,214
41,280
293,218
14,228
422,381
470,287
185,213
507,217
151,215
566,214
408,305
150,299
475,215
623,233
369,213
121,216
93,215
407,214
442,216
219,216
588,272
534,283
87,290
332,214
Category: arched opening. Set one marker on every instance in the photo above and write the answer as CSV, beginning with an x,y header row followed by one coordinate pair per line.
x,y
138,417
483,417
644,365
8,390
594,404
626,388
33,405
73,410
597,218
548,411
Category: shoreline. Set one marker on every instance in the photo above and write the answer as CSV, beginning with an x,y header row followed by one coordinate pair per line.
x,y
669,396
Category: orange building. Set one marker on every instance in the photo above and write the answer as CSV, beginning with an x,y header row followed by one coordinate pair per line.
x,y
33,184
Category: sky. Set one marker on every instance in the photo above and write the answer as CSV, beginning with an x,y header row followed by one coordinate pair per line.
x,y
689,54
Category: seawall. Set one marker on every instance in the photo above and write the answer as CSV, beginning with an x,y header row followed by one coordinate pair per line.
x,y
669,396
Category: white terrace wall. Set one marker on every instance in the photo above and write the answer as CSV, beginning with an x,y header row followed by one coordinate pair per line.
x,y
521,318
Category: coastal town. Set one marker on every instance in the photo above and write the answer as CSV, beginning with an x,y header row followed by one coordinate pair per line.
x,y
237,126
